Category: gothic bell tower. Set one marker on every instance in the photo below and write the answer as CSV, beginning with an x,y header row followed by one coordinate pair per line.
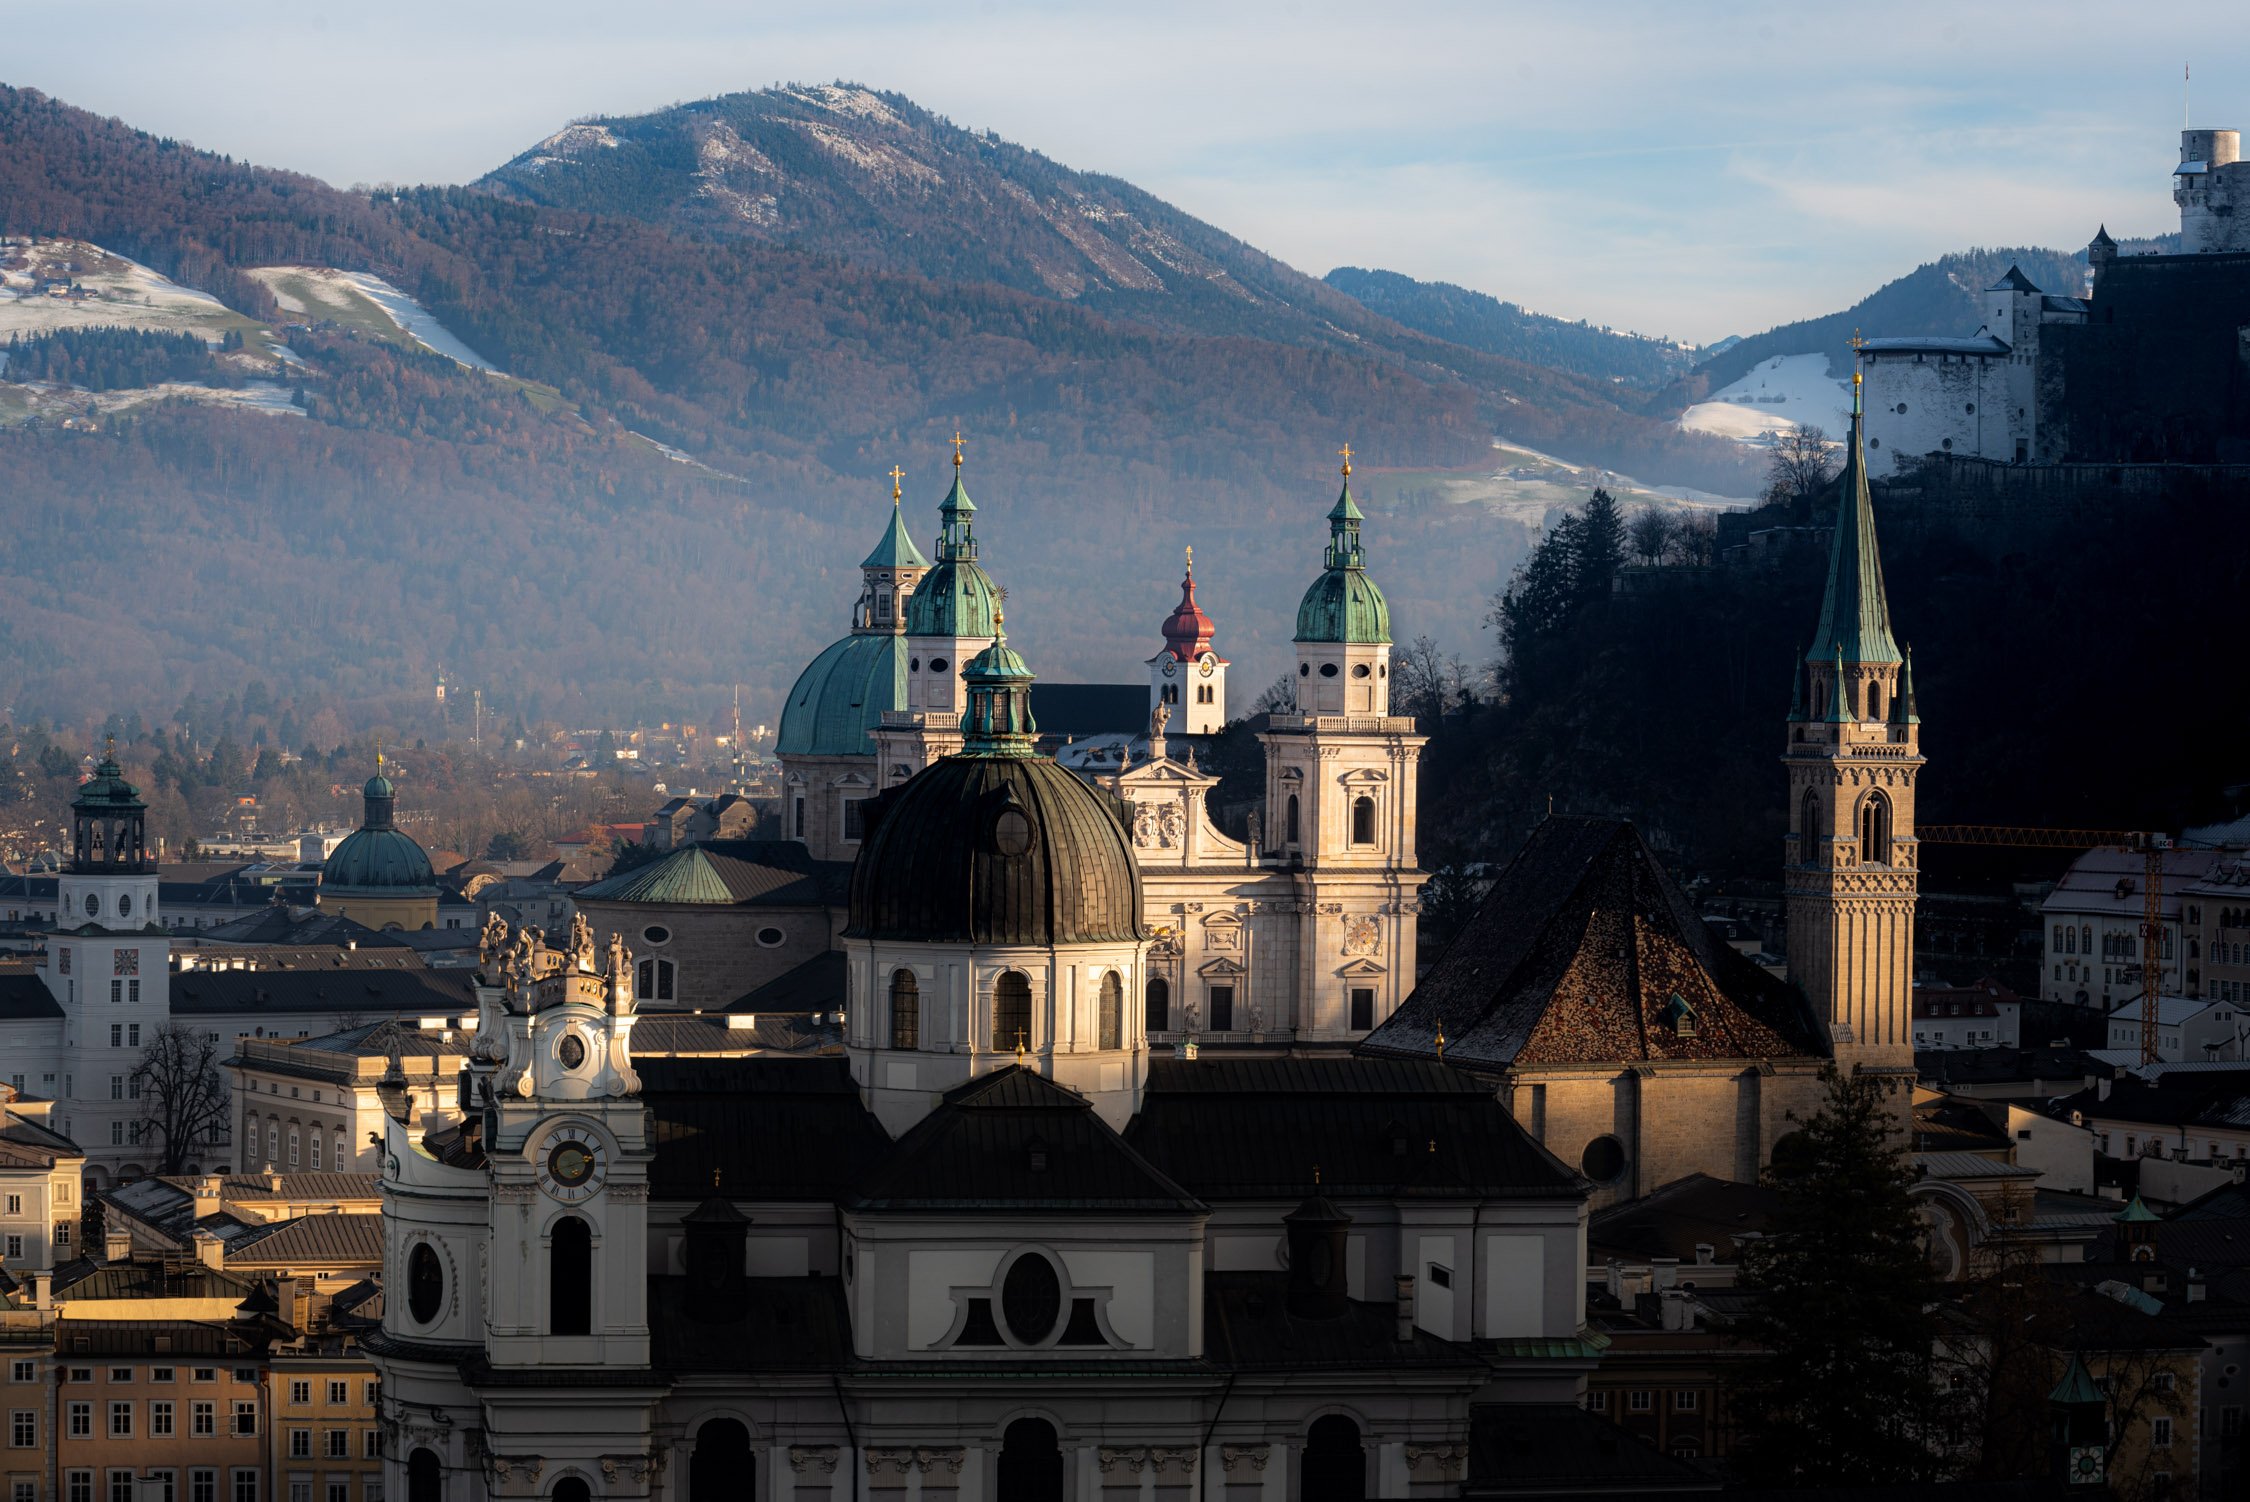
x,y
1854,756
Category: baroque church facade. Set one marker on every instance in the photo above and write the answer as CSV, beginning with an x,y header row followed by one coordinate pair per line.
x,y
1001,1250
1304,932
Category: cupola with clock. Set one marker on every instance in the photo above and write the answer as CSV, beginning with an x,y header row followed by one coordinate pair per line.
x,y
551,1080
1187,679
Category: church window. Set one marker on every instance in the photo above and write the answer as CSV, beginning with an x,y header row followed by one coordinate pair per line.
x,y
1031,1463
1363,1008
1328,670
1011,1012
722,1466
656,933
1222,1009
797,817
1363,820
771,938
573,1489
1808,818
425,1283
1875,830
1359,670
937,664
1159,1010
654,980
1335,1461
292,1147
425,1480
1289,823
906,1010
1874,701
1304,670
570,1278
1112,1019
1031,1298
854,824
1603,1160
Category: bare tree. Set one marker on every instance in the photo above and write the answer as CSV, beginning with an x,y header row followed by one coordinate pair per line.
x,y
1427,684
183,1096
1695,540
1279,697
1801,465
1648,534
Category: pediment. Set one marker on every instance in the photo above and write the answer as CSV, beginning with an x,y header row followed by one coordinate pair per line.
x,y
1364,775
1361,967
1221,966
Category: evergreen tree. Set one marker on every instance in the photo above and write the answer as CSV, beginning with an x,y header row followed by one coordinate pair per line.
x,y
1601,548
1843,1392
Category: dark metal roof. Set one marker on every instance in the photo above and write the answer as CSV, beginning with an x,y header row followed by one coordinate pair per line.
x,y
791,1324
141,1337
1268,1128
1064,710
716,1035
817,985
382,993
1248,1327
282,924
24,1143
931,870
770,1128
25,998
1576,956
1559,1449
1015,1138
755,873
309,1240
1673,1220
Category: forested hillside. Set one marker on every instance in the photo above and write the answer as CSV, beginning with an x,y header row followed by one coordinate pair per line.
x,y
1462,316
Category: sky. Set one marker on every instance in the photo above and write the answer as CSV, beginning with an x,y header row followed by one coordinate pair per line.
x,y
1684,170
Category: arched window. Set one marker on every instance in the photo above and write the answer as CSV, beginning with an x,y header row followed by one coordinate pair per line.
x,y
425,1479
2086,938
570,1278
1011,1012
1289,823
1363,820
906,1010
1112,1020
1031,1463
1875,830
314,1144
654,980
340,1161
1159,1010
273,1144
572,1489
721,1469
292,1147
1335,1463
1874,701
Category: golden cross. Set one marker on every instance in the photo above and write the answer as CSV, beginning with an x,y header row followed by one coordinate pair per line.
x,y
1191,558
1346,451
897,475
1019,1045
1858,344
958,443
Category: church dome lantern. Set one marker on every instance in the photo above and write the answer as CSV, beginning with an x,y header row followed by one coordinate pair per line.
x,y
956,598
378,859
1343,605
109,833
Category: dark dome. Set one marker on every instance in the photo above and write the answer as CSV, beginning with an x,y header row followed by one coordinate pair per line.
x,y
378,857
937,867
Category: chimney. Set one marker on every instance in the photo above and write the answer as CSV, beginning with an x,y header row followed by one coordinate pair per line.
x,y
209,1249
1617,1280
1665,1272
1705,1254
1405,1306
1319,1235
1674,1304
273,1176
207,1195
42,1290
2195,1285
117,1244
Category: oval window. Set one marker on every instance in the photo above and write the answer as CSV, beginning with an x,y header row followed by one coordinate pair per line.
x,y
1011,832
1304,670
93,904
1902,409
657,933
1031,1298
1969,407
1328,670
425,1283
124,904
572,1052
771,937
914,664
937,664
1359,670
1603,1161
1947,445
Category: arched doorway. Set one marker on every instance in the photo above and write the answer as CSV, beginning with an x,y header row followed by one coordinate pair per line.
x,y
1031,1463
721,1469
425,1482
570,1278
572,1489
1011,1012
1335,1461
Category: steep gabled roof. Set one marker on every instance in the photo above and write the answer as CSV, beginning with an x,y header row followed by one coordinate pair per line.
x,y
1015,1139
1586,951
720,873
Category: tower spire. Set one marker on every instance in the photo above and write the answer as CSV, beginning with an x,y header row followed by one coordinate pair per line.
x,y
1855,614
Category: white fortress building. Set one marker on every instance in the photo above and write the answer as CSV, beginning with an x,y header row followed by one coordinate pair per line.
x,y
2212,187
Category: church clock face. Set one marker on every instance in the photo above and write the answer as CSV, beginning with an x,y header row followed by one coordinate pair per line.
x,y
2085,1464
1207,663
573,1170
1171,668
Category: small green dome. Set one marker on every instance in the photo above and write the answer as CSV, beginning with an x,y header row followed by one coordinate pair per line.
x,y
1343,604
957,598
378,857
107,791
841,697
378,786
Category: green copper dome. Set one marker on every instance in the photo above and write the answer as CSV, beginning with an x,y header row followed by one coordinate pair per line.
x,y
107,790
956,598
842,696
896,550
1343,604
378,857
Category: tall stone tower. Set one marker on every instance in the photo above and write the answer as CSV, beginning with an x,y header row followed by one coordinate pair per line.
x,y
1853,756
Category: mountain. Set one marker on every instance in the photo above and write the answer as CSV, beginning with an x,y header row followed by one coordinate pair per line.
x,y
1481,321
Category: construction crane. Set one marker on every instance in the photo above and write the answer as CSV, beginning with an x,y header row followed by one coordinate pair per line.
x,y
2149,846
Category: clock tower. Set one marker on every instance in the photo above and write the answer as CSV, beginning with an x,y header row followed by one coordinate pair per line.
x,y
1186,678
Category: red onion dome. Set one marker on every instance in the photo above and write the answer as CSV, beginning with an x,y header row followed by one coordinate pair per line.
x,y
1187,630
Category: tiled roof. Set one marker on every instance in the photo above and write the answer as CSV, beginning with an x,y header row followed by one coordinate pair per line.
x,y
1015,1138
755,873
145,1337
311,1240
381,993
1578,954
1262,1128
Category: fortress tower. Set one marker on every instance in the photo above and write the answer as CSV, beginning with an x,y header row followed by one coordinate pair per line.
x,y
2212,187
1854,754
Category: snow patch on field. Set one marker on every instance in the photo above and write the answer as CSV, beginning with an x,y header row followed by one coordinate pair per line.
x,y
843,101
350,296
56,403
1785,391
47,285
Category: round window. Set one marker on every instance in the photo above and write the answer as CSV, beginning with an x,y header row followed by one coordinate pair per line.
x,y
656,933
1947,445
425,1283
1304,670
1902,409
1970,407
1603,1161
914,664
937,664
1874,443
124,904
771,937
1031,1299
1359,670
1011,832
572,1051
93,904
1328,670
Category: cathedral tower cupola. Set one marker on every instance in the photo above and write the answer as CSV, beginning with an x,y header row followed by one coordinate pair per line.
x,y
951,615
108,822
1854,758
889,573
1187,678
1343,623
998,721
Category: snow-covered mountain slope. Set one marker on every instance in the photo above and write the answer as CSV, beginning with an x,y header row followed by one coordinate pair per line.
x,y
1784,391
